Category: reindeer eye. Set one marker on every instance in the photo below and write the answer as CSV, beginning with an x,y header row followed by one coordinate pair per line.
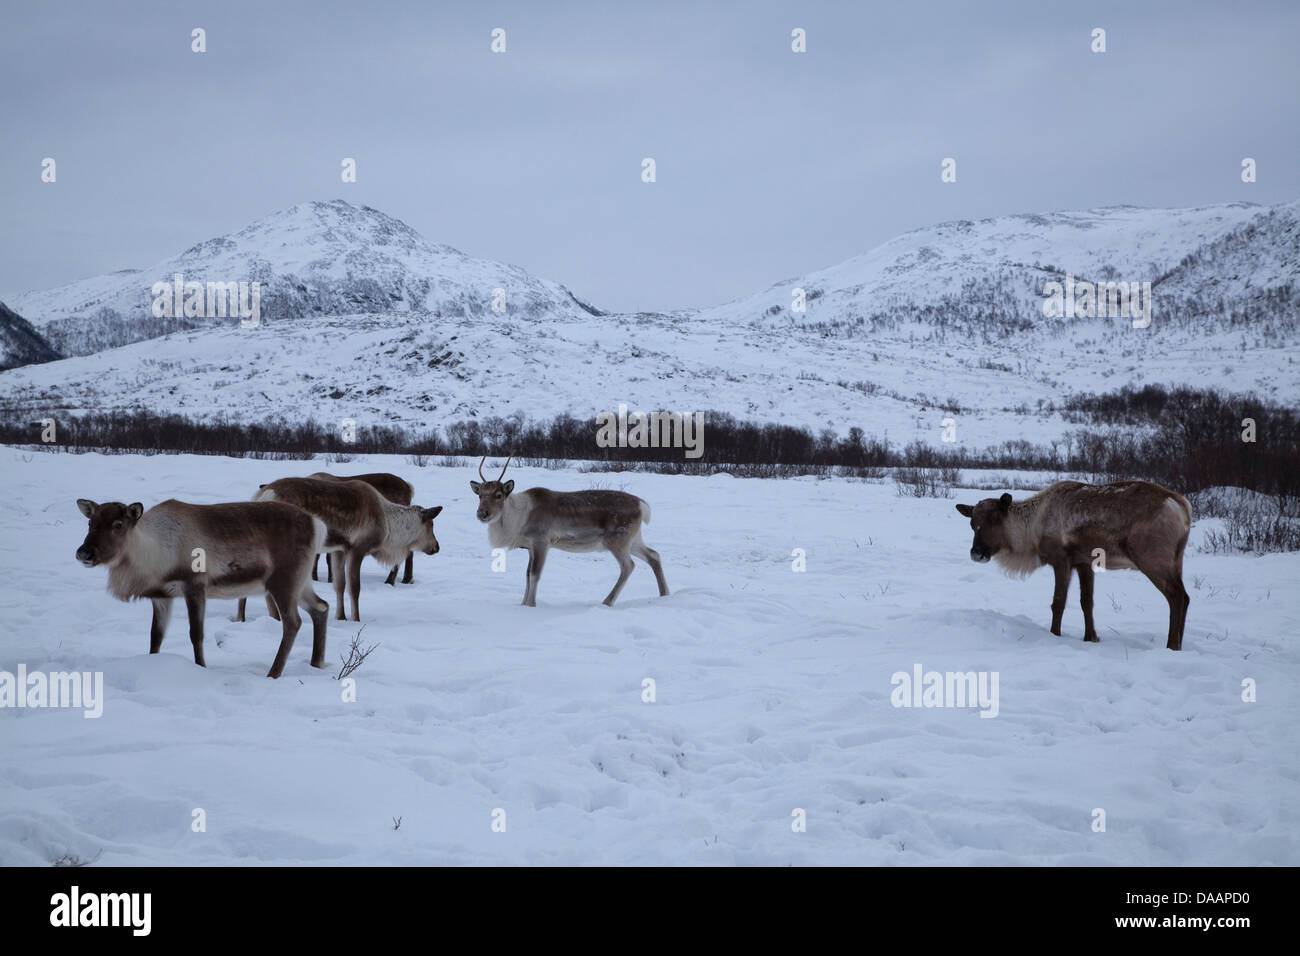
x,y
498,494
117,525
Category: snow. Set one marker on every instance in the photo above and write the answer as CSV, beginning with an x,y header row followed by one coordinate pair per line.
x,y
772,694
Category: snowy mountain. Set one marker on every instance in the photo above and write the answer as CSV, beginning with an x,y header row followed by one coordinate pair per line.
x,y
318,258
20,344
988,277
364,319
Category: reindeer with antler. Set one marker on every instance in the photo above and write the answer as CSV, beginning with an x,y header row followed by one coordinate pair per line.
x,y
539,519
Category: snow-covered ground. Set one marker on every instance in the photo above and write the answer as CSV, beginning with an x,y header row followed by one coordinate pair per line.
x,y
773,694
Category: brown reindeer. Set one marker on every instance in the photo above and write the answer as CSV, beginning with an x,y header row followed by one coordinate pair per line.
x,y
539,519
395,489
199,551
360,522
1071,526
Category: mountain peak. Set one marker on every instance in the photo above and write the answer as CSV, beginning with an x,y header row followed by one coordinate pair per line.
x,y
315,258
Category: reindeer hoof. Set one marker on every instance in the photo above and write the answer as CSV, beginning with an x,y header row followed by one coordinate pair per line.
x,y
1092,640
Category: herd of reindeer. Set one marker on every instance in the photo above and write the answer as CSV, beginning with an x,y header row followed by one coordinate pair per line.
x,y
271,544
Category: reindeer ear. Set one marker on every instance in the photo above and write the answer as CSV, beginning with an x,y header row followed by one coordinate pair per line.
x,y
1004,502
428,514
966,510
135,510
474,486
86,507
509,486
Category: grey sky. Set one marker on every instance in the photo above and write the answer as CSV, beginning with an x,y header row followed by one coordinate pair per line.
x,y
770,163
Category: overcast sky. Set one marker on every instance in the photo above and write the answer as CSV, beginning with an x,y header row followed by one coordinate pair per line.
x,y
769,163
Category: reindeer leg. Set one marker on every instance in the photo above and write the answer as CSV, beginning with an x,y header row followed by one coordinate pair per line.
x,y
355,558
536,561
1176,639
651,557
1169,581
318,610
162,613
195,601
1086,576
290,621
239,614
391,580
1174,592
625,567
315,565
407,576
271,609
1062,571
334,560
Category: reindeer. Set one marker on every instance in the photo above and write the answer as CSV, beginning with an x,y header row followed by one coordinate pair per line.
x,y
1070,525
199,551
539,519
395,489
360,521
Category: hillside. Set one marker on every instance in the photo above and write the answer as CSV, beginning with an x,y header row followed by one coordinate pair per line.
x,y
20,343
391,329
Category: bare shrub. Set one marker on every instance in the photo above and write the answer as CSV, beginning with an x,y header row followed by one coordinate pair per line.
x,y
356,656
926,482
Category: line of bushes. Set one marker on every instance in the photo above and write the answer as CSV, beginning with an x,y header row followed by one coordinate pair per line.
x,y
1183,438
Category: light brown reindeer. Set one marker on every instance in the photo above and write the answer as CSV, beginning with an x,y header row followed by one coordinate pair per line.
x,y
1069,526
360,522
540,519
395,489
199,551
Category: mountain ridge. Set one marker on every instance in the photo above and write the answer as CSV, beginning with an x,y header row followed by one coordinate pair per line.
x,y
946,317
315,258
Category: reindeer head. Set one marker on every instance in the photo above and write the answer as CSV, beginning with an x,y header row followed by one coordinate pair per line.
x,y
492,495
986,519
110,528
426,542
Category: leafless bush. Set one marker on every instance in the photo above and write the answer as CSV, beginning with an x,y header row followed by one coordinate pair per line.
x,y
71,859
356,656
926,482
1252,523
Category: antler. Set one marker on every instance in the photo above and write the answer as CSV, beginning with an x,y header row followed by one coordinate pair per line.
x,y
503,469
